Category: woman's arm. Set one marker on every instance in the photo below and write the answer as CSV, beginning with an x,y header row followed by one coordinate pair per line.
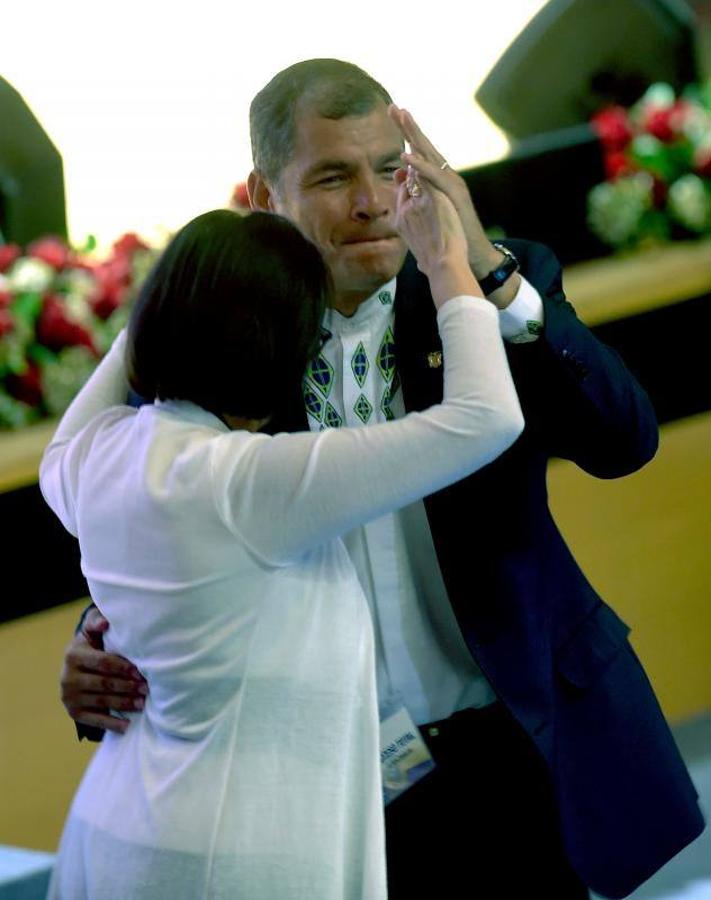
x,y
93,682
286,494
107,387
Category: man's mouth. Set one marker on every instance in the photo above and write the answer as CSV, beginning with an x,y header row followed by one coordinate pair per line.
x,y
369,239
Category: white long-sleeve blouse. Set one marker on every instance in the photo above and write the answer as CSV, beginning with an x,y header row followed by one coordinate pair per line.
x,y
254,769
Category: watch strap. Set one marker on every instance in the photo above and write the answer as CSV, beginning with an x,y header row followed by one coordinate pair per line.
x,y
501,274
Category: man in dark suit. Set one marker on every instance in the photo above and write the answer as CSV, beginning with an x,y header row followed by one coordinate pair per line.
x,y
555,768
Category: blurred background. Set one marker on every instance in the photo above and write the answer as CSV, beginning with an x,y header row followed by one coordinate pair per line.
x,y
149,105
585,124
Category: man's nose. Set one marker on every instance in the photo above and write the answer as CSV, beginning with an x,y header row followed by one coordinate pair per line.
x,y
371,199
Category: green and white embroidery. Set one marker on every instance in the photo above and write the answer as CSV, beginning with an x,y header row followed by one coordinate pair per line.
x,y
331,417
386,356
320,373
313,403
360,364
363,408
388,395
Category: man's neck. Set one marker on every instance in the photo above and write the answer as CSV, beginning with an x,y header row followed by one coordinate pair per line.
x,y
347,304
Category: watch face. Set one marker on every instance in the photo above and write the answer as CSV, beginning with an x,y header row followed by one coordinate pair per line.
x,y
502,273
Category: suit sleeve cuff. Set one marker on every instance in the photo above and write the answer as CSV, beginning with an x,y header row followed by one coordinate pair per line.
x,y
90,732
522,320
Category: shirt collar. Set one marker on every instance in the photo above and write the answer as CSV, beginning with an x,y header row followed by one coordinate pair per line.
x,y
378,308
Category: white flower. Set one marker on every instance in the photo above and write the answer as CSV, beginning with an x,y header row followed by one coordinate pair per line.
x,y
615,209
78,309
659,95
646,145
31,276
697,124
690,203
78,283
63,377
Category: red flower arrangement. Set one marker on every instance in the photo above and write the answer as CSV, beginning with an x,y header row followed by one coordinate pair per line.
x,y
240,198
59,312
657,157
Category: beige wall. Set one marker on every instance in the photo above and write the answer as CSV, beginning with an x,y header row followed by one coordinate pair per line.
x,y
41,761
645,543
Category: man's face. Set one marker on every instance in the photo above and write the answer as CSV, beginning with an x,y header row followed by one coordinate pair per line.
x,y
338,189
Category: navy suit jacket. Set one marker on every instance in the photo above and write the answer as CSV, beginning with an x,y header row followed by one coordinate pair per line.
x,y
554,652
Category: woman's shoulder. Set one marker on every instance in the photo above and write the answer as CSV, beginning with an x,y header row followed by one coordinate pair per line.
x,y
108,419
185,440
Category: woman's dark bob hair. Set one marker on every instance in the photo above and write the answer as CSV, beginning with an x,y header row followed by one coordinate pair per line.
x,y
229,316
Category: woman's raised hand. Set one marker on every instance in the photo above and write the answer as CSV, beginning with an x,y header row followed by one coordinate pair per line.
x,y
428,221
432,228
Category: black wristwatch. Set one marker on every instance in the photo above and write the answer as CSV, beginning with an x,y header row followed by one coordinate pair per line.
x,y
501,273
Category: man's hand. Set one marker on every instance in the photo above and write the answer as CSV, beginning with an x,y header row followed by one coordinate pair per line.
x,y
429,162
94,682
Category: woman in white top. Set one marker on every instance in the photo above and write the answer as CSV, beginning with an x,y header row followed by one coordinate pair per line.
x,y
214,551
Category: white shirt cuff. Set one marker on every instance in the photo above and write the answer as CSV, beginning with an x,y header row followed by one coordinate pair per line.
x,y
522,320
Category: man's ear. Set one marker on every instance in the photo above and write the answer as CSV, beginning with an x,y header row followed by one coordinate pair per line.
x,y
259,193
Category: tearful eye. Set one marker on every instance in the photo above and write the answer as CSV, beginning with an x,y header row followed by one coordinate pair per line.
x,y
331,179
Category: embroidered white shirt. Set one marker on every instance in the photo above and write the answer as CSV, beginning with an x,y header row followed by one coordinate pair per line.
x,y
422,659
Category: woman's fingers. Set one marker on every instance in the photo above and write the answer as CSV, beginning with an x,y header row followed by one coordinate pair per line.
x,y
414,188
427,170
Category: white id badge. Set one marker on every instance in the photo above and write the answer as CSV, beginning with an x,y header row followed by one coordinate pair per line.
x,y
404,757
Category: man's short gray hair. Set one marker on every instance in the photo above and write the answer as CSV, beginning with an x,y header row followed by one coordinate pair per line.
x,y
329,87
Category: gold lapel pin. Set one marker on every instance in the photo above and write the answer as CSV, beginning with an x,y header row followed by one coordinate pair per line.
x,y
434,359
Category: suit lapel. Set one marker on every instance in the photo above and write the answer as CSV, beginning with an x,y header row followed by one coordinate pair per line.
x,y
417,340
